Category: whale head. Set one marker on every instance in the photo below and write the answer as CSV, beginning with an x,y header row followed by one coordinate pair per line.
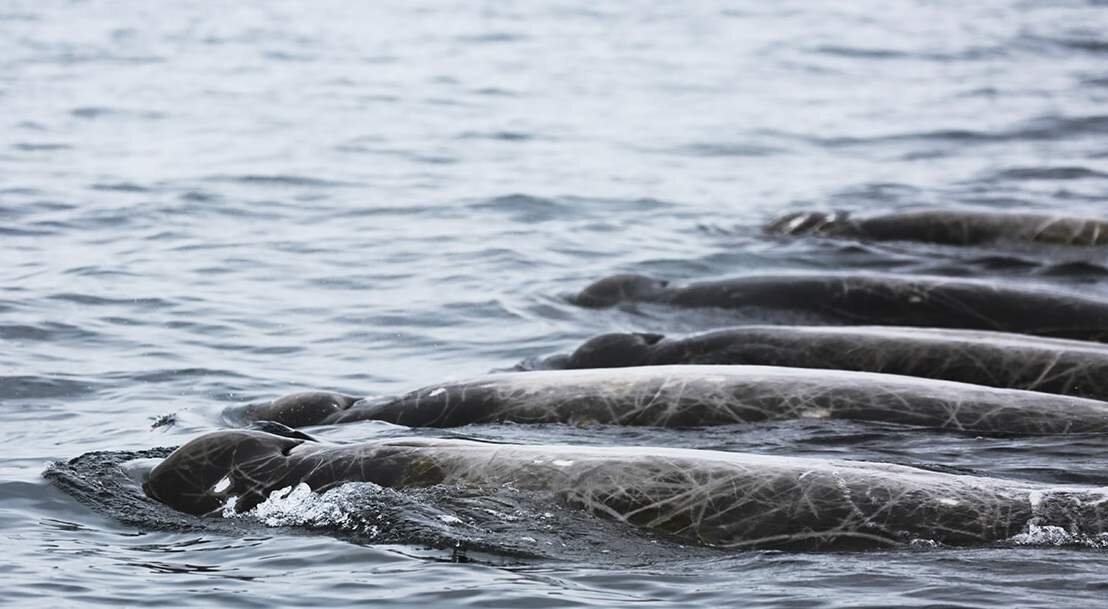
x,y
295,410
621,288
203,474
614,350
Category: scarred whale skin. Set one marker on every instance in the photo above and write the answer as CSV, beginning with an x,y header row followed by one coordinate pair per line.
x,y
875,299
997,359
715,498
947,226
686,396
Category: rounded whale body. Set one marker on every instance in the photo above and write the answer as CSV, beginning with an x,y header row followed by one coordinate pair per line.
x,y
687,396
875,299
715,498
947,226
996,359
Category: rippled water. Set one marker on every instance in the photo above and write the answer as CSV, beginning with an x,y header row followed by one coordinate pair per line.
x,y
202,204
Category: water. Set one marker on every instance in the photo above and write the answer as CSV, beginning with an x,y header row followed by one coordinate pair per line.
x,y
202,204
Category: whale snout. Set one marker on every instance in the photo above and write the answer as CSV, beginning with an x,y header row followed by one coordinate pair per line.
x,y
294,410
620,288
614,351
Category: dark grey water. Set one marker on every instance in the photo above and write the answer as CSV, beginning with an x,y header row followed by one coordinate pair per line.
x,y
204,203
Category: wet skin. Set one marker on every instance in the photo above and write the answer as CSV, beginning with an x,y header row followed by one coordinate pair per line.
x,y
689,396
947,226
874,299
996,359
715,498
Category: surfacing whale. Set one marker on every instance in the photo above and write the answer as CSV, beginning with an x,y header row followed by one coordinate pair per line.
x,y
997,359
722,499
947,226
875,299
689,396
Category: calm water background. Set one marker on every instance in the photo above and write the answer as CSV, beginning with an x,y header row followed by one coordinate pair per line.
x,y
205,203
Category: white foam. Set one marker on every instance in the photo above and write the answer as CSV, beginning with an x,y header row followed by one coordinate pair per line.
x,y
1050,535
1037,535
300,506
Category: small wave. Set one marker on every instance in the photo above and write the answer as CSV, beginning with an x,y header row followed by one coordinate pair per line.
x,y
492,38
1048,173
24,232
97,112
289,57
525,208
969,54
120,187
99,271
500,136
1075,41
1046,128
40,146
38,387
287,181
176,374
495,92
1061,127
89,299
49,331
199,196
729,150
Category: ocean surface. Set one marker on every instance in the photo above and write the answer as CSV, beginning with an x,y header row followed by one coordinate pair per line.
x,y
203,204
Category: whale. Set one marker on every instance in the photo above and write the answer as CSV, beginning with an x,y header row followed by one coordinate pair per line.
x,y
713,498
705,395
947,227
873,299
996,359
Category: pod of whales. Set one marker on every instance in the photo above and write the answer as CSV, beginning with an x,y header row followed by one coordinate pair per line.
x,y
876,299
989,360
714,498
997,359
687,396
948,226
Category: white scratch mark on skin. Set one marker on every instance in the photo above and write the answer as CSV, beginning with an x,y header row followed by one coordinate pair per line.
x,y
438,391
222,485
816,413
1036,499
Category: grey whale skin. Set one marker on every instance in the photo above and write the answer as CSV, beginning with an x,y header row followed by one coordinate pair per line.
x,y
947,226
875,299
720,499
689,396
996,359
